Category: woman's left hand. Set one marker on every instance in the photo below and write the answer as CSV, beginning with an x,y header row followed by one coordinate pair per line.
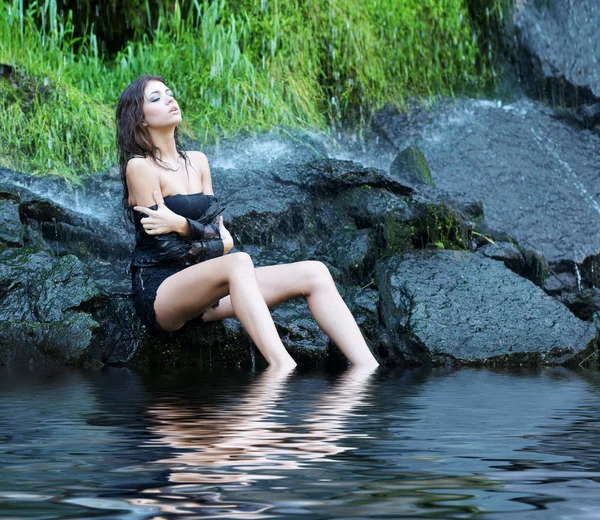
x,y
161,220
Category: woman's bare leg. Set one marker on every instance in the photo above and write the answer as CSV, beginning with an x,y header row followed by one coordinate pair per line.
x,y
187,293
312,280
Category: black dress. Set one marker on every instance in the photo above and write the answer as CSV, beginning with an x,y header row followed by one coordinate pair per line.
x,y
156,257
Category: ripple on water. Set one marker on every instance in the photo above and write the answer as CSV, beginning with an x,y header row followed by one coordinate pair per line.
x,y
408,444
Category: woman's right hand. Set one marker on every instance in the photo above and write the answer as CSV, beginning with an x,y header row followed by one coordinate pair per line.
x,y
225,237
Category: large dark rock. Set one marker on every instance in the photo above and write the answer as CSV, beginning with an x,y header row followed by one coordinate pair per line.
x,y
461,307
557,50
536,175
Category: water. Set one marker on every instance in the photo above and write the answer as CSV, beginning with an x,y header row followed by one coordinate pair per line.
x,y
404,444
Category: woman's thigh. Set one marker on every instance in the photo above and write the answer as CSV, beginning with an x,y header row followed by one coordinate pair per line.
x,y
187,293
278,283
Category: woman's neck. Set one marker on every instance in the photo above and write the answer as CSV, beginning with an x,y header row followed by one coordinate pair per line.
x,y
165,141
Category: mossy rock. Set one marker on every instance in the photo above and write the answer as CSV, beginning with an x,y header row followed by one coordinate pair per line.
x,y
439,226
411,165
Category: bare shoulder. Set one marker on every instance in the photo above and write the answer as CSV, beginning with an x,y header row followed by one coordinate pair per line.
x,y
142,180
140,167
198,160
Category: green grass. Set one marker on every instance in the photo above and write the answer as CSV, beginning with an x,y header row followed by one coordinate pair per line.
x,y
244,66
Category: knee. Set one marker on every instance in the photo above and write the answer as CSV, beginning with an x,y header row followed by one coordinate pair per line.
x,y
241,262
318,275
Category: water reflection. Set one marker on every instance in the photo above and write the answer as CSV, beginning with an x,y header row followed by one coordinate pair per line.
x,y
411,444
247,441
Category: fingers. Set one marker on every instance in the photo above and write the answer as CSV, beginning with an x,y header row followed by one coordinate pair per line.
x,y
158,199
144,210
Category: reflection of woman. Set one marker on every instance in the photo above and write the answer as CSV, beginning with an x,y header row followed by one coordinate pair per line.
x,y
226,444
180,267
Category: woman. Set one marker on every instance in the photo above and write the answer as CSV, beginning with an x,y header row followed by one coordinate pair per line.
x,y
180,267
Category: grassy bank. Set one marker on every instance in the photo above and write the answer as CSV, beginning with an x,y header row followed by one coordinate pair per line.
x,y
249,65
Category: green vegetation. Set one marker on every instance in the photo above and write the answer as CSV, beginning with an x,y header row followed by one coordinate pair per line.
x,y
241,66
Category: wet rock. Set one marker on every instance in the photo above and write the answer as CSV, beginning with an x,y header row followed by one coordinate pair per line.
x,y
326,177
558,49
363,302
40,318
589,270
460,307
557,283
300,334
584,304
536,175
410,166
84,220
11,230
352,251
585,116
367,206
523,261
438,225
211,344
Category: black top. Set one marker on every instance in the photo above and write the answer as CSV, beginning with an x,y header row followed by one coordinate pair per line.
x,y
171,249
190,206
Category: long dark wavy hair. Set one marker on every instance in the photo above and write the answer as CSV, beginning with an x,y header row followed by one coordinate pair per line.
x,y
133,138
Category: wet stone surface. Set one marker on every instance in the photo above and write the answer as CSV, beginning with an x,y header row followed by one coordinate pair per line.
x,y
558,49
463,306
536,175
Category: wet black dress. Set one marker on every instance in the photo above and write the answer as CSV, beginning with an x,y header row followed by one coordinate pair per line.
x,y
156,257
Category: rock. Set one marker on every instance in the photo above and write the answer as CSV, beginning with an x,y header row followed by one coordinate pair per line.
x,y
464,308
40,318
11,230
558,49
326,177
211,344
584,304
363,302
300,334
560,282
536,175
411,167
352,251
525,262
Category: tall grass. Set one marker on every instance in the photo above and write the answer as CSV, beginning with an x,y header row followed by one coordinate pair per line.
x,y
238,66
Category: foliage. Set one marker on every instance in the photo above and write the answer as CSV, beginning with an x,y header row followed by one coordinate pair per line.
x,y
241,66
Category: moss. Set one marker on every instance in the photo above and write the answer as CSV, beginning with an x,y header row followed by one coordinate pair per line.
x,y
397,232
411,164
439,226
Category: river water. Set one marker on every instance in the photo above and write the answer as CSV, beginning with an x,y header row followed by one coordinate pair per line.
x,y
391,444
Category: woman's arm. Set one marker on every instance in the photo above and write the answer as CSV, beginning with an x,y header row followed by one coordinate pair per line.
x,y
144,191
200,164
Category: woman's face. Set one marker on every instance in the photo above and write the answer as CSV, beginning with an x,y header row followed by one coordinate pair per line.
x,y
160,108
